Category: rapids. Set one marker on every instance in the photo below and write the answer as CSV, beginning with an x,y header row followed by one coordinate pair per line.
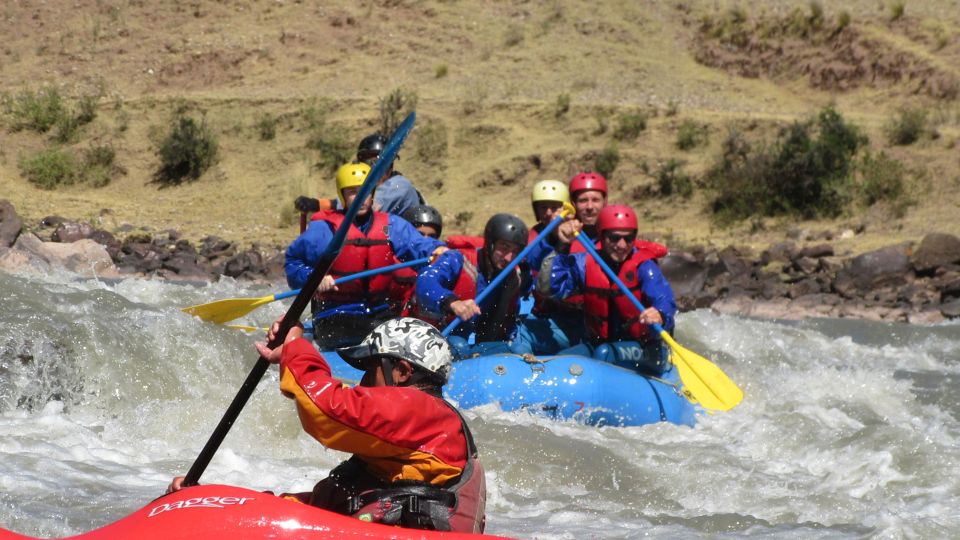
x,y
849,429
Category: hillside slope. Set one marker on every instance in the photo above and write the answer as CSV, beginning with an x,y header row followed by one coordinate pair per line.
x,y
490,80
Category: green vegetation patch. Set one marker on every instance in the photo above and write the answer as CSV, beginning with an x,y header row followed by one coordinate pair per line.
x,y
806,171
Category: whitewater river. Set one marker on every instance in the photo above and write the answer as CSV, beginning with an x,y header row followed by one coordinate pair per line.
x,y
848,430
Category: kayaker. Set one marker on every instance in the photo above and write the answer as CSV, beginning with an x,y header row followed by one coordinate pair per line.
x,y
609,316
414,461
447,288
395,194
344,314
553,324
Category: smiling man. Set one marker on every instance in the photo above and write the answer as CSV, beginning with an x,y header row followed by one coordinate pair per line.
x,y
609,315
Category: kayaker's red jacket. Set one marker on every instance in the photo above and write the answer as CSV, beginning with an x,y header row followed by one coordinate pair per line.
x,y
397,434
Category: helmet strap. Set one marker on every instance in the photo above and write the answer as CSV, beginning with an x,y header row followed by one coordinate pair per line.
x,y
386,364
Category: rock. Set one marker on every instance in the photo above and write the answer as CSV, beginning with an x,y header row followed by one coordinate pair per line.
x,y
806,265
803,288
686,275
887,266
84,256
817,251
782,252
71,231
951,309
830,265
212,247
925,317
10,224
936,249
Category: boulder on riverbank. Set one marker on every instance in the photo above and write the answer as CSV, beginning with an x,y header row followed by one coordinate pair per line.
x,y
786,281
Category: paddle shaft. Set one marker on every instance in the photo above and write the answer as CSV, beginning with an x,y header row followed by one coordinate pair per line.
x,y
554,223
301,302
361,275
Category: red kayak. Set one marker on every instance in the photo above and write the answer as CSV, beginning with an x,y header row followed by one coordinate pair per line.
x,y
212,512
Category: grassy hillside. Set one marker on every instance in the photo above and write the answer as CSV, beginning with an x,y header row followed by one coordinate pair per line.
x,y
507,93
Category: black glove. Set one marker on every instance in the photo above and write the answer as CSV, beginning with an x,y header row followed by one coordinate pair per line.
x,y
306,204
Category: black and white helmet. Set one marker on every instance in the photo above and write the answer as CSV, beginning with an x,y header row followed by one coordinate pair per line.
x,y
406,338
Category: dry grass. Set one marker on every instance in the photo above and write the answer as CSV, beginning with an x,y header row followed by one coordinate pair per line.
x,y
238,61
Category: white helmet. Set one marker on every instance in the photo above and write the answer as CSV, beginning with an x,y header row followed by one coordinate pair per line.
x,y
406,338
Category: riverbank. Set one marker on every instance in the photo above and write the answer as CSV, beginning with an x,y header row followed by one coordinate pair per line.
x,y
803,276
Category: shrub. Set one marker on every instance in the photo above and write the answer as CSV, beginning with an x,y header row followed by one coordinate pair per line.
x,y
267,127
562,105
691,134
189,149
332,141
629,126
607,160
807,171
97,169
881,179
897,9
440,71
909,124
431,143
603,123
87,109
673,181
49,168
513,35
36,111
843,21
461,219
394,108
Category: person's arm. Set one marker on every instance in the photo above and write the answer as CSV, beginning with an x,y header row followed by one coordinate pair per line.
x,y
407,243
304,252
658,292
562,275
435,283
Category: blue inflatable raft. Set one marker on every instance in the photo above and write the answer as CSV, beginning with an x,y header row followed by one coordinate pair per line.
x,y
579,388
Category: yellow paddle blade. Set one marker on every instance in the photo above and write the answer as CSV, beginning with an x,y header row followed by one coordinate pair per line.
x,y
227,310
702,379
247,329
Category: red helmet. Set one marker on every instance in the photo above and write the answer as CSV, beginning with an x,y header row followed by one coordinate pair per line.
x,y
588,180
616,216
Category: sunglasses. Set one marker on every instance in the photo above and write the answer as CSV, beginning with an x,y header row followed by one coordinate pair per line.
x,y
615,238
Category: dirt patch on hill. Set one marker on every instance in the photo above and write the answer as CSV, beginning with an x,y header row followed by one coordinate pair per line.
x,y
831,55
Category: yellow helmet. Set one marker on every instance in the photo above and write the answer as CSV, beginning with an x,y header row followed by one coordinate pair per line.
x,y
550,190
350,175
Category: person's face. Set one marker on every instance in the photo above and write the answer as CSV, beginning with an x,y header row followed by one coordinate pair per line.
x,y
350,193
502,253
370,160
429,231
588,205
618,243
546,210
373,375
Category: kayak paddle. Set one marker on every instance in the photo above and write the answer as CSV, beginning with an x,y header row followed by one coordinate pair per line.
x,y
703,381
292,316
221,311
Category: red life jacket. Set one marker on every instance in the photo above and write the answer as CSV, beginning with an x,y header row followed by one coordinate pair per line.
x,y
402,288
362,252
600,292
458,506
